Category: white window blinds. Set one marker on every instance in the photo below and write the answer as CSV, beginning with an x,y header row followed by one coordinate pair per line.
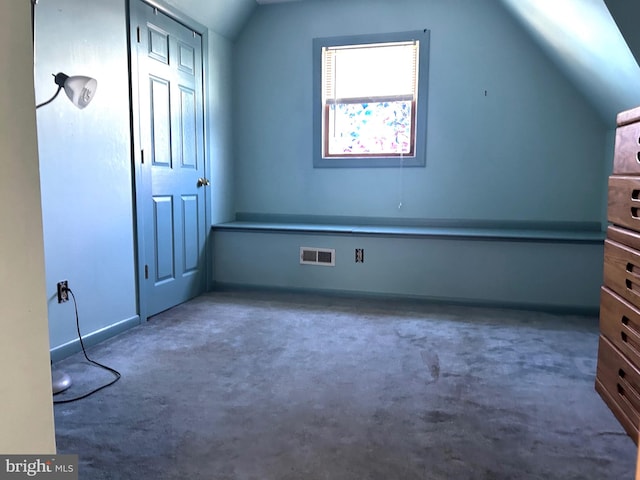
x,y
370,72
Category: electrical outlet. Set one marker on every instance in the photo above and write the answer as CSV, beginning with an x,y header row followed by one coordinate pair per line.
x,y
63,291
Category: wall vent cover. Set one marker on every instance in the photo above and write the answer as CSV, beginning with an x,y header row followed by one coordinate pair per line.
x,y
318,256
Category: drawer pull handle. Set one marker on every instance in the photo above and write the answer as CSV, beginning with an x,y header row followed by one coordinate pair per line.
x,y
635,194
624,337
620,390
630,267
634,212
633,287
621,373
625,320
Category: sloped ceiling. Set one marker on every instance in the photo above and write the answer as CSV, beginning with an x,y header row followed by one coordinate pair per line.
x,y
580,36
226,17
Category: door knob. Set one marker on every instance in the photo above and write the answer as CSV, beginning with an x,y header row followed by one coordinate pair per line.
x,y
203,182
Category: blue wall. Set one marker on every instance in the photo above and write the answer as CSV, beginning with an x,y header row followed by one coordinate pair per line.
x,y
514,273
220,143
532,148
86,166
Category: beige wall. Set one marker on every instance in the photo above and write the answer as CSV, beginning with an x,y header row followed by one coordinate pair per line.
x,y
26,410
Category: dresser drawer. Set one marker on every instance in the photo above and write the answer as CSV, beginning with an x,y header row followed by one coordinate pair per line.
x,y
624,236
618,383
624,201
626,159
628,116
620,324
622,270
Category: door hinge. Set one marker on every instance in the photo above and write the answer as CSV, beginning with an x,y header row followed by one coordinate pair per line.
x,y
146,272
141,156
138,33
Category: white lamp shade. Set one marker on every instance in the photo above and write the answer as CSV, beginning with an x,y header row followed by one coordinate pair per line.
x,y
80,90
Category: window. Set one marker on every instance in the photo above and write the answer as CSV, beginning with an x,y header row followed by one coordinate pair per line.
x,y
370,100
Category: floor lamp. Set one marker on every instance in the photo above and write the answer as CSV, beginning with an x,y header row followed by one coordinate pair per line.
x,y
80,91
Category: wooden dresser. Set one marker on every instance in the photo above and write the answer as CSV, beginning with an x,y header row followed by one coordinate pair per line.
x,y
618,371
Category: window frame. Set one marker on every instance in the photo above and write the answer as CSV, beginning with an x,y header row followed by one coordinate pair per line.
x,y
419,110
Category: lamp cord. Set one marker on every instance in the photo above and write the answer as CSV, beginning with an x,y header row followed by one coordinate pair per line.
x,y
116,374
48,102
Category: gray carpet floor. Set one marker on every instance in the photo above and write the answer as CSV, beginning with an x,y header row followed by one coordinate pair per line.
x,y
256,385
